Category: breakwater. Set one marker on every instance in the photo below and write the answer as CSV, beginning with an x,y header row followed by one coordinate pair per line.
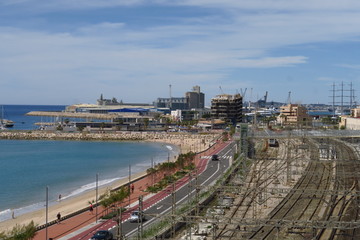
x,y
187,141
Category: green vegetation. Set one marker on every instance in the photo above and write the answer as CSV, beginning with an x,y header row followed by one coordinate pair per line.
x,y
112,197
225,135
113,214
23,232
80,128
329,120
184,163
206,115
146,123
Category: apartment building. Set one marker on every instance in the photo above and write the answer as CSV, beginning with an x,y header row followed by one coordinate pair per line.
x,y
294,114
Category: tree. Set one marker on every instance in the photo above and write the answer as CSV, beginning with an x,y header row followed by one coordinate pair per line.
x,y
80,128
114,197
206,115
20,232
146,123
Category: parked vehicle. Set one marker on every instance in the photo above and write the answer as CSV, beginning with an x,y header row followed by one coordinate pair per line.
x,y
102,235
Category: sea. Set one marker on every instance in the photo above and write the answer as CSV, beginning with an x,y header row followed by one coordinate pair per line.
x,y
31,168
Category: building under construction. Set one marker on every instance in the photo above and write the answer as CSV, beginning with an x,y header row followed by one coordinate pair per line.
x,y
227,107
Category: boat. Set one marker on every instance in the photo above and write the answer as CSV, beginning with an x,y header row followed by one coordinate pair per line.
x,y
5,123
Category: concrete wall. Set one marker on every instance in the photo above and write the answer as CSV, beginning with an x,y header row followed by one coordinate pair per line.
x,y
353,123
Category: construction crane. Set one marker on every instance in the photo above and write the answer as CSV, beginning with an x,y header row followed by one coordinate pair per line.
x,y
222,92
288,101
262,102
243,93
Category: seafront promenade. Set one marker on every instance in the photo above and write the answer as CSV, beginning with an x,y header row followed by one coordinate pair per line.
x,y
86,222
185,141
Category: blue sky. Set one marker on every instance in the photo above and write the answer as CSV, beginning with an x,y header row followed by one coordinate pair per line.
x,y
71,51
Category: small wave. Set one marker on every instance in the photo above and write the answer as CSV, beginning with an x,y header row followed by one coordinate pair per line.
x,y
88,187
5,211
4,215
7,214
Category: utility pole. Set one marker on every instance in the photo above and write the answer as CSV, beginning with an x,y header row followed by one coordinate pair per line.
x,y
170,104
119,222
288,165
188,225
197,194
152,172
173,210
141,216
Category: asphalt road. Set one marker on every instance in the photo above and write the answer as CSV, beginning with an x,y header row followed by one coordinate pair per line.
x,y
160,204
213,170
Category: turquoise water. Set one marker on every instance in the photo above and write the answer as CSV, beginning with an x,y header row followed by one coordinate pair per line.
x,y
67,168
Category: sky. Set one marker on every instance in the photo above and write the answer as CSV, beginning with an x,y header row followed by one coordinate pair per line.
x,y
63,52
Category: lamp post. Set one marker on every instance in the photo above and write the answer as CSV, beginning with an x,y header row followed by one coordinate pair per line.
x,y
47,212
96,197
129,183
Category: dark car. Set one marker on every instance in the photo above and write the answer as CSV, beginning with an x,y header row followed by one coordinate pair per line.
x,y
102,235
215,157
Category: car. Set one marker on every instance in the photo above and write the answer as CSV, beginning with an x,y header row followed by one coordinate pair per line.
x,y
135,216
215,157
102,235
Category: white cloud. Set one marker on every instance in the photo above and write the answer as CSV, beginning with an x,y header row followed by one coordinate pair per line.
x,y
102,27
111,55
350,66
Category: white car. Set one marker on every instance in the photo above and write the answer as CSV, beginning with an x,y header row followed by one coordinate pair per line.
x,y
135,216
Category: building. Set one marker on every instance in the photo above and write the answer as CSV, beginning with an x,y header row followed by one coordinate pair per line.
x,y
227,107
172,103
192,100
355,112
114,102
106,102
294,114
349,123
196,99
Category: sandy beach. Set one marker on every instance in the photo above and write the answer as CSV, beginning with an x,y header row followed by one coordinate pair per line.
x,y
185,142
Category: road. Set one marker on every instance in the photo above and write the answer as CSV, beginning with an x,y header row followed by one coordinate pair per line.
x,y
161,203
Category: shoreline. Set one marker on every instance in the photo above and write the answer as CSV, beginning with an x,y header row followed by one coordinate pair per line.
x,y
184,143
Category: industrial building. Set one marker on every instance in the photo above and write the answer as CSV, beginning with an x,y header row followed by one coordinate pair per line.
x,y
194,99
227,107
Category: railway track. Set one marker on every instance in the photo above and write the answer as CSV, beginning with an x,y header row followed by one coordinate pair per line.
x,y
309,199
324,196
307,206
257,181
343,207
296,204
